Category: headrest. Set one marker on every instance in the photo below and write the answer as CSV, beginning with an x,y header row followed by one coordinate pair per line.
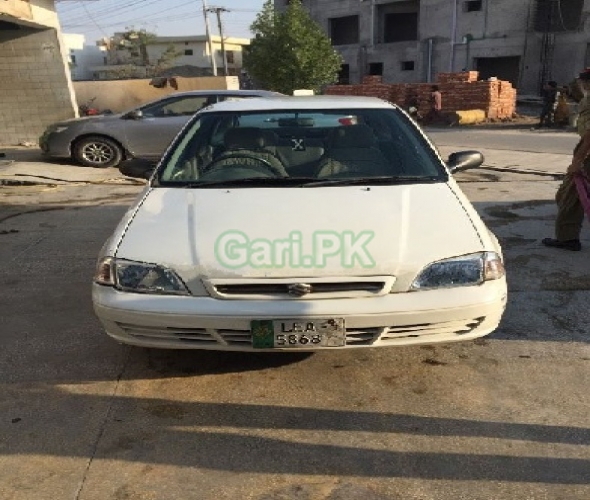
x,y
248,138
352,136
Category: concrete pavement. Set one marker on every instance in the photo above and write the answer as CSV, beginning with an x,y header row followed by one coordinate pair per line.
x,y
83,418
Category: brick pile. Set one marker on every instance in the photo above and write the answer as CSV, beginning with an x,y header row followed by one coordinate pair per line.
x,y
461,91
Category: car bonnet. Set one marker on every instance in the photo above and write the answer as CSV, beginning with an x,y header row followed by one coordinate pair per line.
x,y
398,230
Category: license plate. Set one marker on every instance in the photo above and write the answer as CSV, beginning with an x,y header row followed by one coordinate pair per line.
x,y
296,333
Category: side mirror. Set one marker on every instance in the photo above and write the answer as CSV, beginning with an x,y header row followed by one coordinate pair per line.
x,y
464,160
140,168
136,114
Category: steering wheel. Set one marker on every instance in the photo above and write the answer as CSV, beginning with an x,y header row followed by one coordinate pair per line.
x,y
265,164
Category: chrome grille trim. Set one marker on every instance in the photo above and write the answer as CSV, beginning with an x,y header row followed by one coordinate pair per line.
x,y
421,330
283,288
326,287
354,336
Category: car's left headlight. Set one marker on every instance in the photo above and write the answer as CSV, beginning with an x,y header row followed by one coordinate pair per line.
x,y
138,277
467,270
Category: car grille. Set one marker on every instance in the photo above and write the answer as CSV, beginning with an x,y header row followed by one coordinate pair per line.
x,y
206,336
354,336
422,330
202,336
283,288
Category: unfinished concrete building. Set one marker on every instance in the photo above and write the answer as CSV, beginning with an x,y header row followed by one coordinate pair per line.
x,y
523,41
35,83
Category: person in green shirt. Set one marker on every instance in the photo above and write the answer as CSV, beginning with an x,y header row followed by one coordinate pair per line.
x,y
570,213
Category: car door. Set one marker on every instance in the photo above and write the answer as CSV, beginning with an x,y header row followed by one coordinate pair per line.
x,y
149,134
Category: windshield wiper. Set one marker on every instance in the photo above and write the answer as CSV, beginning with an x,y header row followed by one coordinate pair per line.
x,y
249,181
362,181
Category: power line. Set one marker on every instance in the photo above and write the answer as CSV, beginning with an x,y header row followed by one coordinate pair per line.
x,y
103,17
94,21
130,20
108,13
148,20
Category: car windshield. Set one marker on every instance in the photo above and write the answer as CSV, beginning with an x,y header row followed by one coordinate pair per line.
x,y
279,148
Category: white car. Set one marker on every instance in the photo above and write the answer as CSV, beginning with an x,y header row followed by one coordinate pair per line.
x,y
302,223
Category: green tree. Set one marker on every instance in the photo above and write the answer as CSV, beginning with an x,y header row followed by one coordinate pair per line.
x,y
136,42
290,51
167,59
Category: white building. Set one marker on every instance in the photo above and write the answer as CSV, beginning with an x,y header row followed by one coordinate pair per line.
x,y
193,56
194,51
82,57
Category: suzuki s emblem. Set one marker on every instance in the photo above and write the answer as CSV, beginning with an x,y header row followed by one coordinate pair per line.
x,y
299,289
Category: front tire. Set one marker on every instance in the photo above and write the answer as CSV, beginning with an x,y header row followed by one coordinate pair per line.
x,y
97,152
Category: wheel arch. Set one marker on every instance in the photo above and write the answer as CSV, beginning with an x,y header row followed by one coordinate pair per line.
x,y
126,153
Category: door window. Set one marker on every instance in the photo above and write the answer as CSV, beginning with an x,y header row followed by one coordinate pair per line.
x,y
182,106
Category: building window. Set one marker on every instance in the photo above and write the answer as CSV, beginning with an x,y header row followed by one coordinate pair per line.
x,y
344,75
408,65
398,22
472,5
344,30
552,16
188,52
229,54
376,68
73,59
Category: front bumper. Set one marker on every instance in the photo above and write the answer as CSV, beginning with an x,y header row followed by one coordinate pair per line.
x,y
55,145
425,317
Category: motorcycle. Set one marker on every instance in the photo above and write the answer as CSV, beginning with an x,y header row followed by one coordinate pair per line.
x,y
87,109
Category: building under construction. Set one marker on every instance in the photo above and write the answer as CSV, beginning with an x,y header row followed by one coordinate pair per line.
x,y
523,41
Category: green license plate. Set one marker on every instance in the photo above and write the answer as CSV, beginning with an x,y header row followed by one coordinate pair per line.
x,y
298,333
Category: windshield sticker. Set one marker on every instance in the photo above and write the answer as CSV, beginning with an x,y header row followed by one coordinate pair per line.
x,y
234,250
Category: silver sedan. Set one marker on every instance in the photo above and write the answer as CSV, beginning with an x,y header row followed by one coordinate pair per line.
x,y
106,140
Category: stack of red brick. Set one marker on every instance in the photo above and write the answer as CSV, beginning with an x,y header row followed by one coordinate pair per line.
x,y
460,91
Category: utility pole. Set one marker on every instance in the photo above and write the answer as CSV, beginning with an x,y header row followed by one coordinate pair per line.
x,y
208,33
547,43
218,11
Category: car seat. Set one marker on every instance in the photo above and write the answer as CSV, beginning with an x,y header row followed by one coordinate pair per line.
x,y
352,151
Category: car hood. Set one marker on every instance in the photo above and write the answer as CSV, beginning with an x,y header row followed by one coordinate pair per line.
x,y
398,230
90,119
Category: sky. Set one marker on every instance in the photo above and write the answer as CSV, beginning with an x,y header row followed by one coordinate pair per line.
x,y
102,18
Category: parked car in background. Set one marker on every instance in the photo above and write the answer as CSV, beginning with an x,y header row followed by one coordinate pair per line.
x,y
309,223
146,131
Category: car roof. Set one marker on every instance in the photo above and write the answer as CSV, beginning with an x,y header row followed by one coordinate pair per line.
x,y
261,93
301,102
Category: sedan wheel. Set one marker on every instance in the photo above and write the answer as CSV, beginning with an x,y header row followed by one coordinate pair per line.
x,y
98,152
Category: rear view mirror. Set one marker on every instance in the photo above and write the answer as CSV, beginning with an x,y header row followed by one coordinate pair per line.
x,y
464,160
139,168
296,122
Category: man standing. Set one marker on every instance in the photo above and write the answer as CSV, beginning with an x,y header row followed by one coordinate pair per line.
x,y
435,103
434,114
550,95
570,213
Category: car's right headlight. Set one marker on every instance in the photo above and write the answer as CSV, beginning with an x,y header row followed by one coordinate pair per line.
x,y
467,270
56,129
138,277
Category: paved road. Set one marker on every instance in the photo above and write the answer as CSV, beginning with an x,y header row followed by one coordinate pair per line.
x,y
501,418
523,140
